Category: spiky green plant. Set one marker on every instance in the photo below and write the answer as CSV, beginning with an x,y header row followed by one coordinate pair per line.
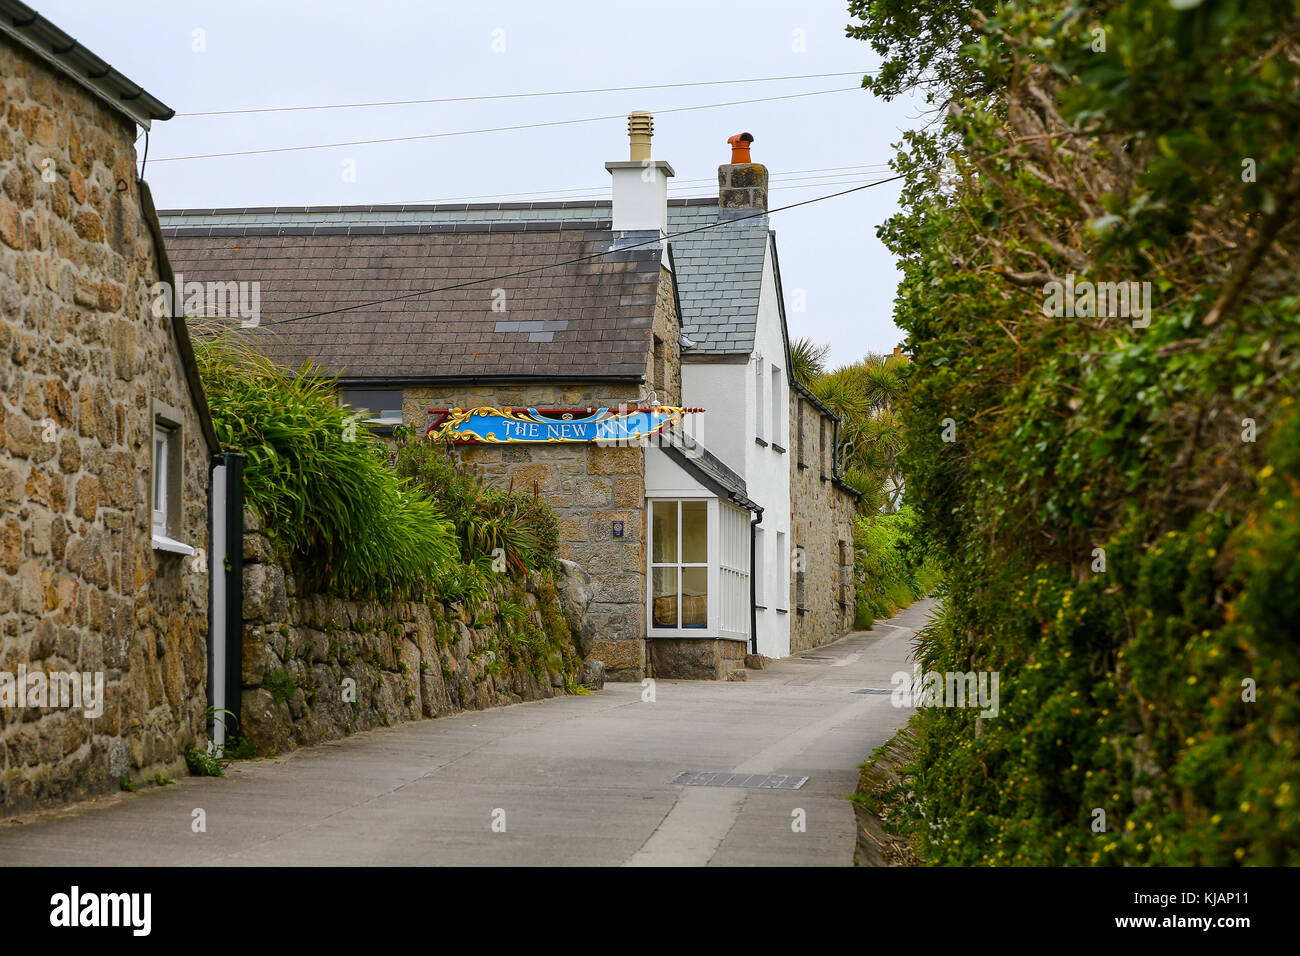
x,y
495,526
321,482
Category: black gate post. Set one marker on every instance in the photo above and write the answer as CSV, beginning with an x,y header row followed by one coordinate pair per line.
x,y
226,594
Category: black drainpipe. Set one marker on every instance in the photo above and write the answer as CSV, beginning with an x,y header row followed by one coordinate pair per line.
x,y
753,584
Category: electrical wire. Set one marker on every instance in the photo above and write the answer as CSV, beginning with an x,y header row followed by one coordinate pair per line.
x,y
578,259
494,129
514,96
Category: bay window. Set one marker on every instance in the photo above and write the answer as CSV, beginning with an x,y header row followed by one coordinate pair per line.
x,y
679,565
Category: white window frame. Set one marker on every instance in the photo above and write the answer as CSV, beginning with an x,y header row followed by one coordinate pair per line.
x,y
760,567
760,402
712,564
167,474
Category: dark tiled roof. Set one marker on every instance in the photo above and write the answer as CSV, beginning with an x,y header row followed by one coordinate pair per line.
x,y
710,470
719,270
720,275
587,319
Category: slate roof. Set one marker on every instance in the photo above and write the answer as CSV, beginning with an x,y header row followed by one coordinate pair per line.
x,y
719,270
710,470
584,320
719,276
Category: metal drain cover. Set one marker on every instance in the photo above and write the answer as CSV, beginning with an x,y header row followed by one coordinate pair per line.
x,y
874,690
810,657
751,781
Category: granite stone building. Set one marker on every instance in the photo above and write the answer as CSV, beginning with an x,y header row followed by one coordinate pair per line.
x,y
822,513
551,321
105,440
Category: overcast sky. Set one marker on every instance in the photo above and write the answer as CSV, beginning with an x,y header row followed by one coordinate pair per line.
x,y
237,54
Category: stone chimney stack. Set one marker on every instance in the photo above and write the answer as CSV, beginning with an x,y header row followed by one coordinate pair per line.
x,y
641,183
742,185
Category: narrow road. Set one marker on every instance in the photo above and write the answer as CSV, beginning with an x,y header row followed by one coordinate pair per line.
x,y
574,781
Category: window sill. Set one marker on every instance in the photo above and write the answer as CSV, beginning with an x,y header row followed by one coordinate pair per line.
x,y
163,543
760,607
778,448
801,609
802,466
783,610
761,441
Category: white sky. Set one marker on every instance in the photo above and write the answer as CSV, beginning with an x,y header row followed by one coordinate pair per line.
x,y
312,52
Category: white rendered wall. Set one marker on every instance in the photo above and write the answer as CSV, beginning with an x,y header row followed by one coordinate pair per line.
x,y
727,392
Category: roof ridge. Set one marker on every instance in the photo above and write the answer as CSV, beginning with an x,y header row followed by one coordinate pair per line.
x,y
411,207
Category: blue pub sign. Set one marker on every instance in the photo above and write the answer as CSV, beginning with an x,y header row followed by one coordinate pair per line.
x,y
519,425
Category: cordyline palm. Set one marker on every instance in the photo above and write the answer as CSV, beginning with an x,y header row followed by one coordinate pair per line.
x,y
807,361
865,395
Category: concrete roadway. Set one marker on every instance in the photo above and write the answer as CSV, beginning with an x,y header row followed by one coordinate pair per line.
x,y
581,781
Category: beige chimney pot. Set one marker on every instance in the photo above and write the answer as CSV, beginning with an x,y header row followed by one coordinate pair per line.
x,y
640,129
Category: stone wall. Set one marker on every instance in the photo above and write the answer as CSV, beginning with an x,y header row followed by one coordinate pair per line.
x,y
82,364
407,661
821,522
706,658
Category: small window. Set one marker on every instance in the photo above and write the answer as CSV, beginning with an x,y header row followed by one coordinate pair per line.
x,y
760,567
381,406
166,486
822,446
760,407
800,581
782,573
777,437
162,437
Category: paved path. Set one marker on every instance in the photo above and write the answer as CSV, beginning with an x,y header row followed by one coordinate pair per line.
x,y
581,780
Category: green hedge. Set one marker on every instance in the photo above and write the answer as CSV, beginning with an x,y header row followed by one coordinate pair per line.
x,y
1116,544
891,566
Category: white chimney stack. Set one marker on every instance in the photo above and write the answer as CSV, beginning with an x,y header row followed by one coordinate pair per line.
x,y
641,183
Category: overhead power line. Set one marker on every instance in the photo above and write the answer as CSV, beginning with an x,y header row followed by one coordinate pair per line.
x,y
586,258
495,129
516,96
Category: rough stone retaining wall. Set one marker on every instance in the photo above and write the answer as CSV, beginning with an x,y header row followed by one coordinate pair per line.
x,y
409,661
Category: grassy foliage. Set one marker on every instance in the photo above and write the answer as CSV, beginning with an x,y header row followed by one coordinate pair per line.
x,y
516,527
1116,544
891,568
321,482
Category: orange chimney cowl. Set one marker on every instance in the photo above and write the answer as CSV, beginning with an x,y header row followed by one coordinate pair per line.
x,y
740,148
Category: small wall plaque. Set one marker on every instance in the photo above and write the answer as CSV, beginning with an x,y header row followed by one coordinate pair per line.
x,y
618,529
